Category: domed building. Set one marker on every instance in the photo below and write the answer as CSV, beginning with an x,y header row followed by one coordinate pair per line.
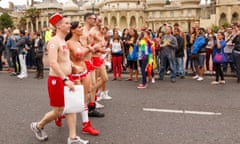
x,y
142,13
72,10
47,8
123,13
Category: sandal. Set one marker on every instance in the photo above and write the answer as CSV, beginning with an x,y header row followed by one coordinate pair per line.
x,y
129,79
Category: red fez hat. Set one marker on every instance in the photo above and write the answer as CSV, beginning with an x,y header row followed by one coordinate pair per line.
x,y
55,18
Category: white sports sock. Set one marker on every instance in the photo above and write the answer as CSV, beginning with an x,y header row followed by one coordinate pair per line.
x,y
85,114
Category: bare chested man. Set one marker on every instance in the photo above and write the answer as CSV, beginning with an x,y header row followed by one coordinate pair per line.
x,y
60,69
85,40
98,37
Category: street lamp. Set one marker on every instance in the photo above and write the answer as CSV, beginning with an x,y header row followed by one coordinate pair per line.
x,y
93,3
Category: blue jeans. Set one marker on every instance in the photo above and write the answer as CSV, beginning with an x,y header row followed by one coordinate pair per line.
x,y
230,62
236,59
158,59
143,69
163,66
188,51
179,66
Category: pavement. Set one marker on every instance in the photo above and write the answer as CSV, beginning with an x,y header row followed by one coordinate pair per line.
x,y
185,112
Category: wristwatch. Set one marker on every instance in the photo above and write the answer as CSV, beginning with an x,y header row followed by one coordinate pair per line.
x,y
65,79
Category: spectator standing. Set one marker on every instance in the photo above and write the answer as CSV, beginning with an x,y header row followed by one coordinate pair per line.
x,y
236,54
179,54
117,50
11,44
168,46
199,54
1,49
219,47
209,48
22,49
228,50
125,36
38,45
132,56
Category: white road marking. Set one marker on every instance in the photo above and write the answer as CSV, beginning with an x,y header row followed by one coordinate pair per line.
x,y
181,111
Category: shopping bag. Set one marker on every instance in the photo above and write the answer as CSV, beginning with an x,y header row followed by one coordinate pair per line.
x,y
74,100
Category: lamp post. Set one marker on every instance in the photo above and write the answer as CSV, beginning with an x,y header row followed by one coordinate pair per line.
x,y
93,3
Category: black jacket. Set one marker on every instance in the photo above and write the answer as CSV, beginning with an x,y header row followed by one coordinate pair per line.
x,y
180,50
236,41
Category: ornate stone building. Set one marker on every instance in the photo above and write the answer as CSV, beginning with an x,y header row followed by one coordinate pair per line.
x,y
227,11
139,13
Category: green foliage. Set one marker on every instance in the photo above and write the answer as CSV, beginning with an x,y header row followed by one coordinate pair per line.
x,y
215,28
226,24
5,21
22,23
33,14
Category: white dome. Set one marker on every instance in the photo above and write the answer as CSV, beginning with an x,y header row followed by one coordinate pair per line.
x,y
87,5
70,6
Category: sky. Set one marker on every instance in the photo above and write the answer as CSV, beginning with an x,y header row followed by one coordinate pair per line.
x,y
4,3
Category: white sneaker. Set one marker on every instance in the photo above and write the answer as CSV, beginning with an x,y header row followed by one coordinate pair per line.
x,y
78,140
98,105
99,98
105,95
153,80
168,72
22,76
200,79
195,77
40,134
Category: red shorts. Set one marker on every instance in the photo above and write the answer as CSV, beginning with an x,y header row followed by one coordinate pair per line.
x,y
56,91
97,62
89,66
80,76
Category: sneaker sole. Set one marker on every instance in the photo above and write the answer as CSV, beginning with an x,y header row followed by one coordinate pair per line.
x,y
90,133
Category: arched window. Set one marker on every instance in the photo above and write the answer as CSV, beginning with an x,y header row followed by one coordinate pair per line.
x,y
223,19
234,17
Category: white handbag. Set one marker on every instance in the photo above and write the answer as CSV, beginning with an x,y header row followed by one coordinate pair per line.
x,y
74,100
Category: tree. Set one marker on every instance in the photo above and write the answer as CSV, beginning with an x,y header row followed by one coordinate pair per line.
x,y
33,14
5,21
22,23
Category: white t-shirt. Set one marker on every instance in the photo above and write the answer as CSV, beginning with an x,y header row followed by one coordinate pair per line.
x,y
116,47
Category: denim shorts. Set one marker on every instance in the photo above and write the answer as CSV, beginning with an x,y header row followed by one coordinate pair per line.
x,y
199,61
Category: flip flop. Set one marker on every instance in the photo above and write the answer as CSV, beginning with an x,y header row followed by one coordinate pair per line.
x,y
129,79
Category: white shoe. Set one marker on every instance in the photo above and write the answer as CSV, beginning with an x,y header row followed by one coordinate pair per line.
x,y
195,77
200,79
168,72
99,98
22,76
153,80
105,96
98,105
78,140
215,82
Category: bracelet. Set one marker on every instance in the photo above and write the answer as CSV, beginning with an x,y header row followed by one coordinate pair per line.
x,y
65,79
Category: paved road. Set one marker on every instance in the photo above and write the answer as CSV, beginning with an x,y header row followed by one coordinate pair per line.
x,y
24,101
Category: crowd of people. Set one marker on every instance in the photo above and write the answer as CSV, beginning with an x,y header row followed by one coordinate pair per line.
x,y
20,51
79,54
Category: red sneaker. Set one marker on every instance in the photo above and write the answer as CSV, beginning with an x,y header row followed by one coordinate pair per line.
x,y
87,128
58,121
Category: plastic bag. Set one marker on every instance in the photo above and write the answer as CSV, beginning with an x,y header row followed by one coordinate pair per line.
x,y
74,100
